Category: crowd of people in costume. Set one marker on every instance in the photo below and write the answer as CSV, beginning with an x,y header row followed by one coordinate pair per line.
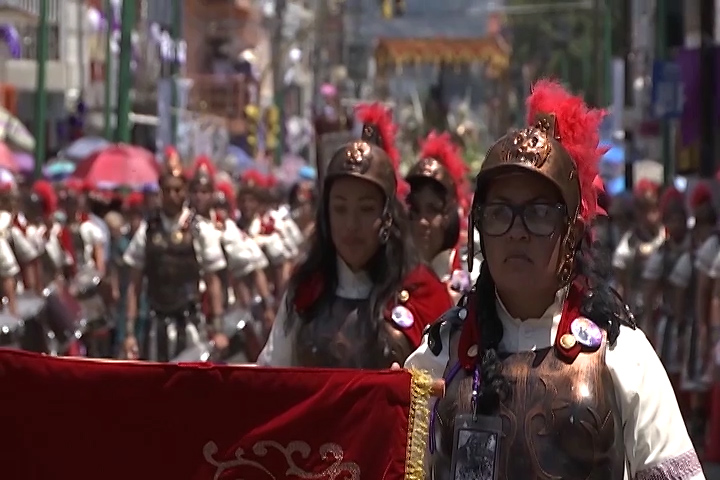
x,y
573,334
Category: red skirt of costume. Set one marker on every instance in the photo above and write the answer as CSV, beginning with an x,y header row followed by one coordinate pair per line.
x,y
82,419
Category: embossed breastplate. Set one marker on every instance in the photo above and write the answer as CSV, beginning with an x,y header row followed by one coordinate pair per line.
x,y
342,336
560,422
171,268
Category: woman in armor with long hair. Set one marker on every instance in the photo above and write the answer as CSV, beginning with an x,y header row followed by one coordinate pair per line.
x,y
361,298
546,374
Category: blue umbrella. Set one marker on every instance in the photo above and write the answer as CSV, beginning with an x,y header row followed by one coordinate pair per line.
x,y
83,147
58,170
615,154
243,160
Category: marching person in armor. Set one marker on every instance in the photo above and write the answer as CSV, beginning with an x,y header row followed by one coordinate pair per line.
x,y
45,232
258,224
87,240
242,254
546,374
361,298
173,250
692,296
13,219
437,187
637,245
246,262
665,269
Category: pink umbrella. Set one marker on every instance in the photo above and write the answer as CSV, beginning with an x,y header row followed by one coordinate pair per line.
x,y
24,161
119,166
7,161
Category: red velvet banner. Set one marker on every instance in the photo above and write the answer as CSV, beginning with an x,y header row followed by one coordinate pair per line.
x,y
63,418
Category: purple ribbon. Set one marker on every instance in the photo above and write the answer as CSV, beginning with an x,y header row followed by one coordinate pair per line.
x,y
11,37
433,415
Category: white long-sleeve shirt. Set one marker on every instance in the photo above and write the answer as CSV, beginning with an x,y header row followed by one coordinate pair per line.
x,y
657,445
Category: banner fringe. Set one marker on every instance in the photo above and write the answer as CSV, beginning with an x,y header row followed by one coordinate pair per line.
x,y
419,418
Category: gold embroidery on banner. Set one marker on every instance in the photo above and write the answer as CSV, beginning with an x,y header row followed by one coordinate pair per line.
x,y
418,428
327,451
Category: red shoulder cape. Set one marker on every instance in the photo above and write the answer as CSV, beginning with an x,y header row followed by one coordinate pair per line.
x,y
427,298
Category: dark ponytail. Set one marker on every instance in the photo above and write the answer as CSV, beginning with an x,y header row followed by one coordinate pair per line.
x,y
494,387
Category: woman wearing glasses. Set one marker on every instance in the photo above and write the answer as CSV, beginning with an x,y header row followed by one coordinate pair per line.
x,y
361,298
546,374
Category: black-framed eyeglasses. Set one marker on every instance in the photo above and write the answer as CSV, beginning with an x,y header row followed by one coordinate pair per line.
x,y
539,219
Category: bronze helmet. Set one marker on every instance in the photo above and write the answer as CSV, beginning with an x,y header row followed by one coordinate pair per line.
x,y
535,149
440,161
370,157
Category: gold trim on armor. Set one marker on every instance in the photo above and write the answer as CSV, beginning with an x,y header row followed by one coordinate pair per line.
x,y
567,341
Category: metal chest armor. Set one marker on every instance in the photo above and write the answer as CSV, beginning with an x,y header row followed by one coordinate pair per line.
x,y
561,420
171,267
341,336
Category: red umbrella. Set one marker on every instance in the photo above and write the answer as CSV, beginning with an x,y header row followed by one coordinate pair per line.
x,y
119,166
7,160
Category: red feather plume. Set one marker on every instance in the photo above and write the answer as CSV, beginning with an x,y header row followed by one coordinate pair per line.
x,y
203,163
134,201
228,192
645,187
700,195
252,178
46,192
671,196
578,128
441,148
381,118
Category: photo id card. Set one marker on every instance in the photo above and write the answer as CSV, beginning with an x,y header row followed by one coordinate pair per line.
x,y
476,447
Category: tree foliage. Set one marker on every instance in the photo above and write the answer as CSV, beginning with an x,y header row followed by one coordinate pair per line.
x,y
566,43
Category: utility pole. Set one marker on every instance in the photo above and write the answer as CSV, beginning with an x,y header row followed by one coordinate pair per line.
x,y
278,61
107,107
628,26
608,44
40,96
127,22
176,32
707,89
661,55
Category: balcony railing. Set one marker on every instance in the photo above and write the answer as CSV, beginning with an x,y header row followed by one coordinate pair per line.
x,y
219,95
28,36
32,7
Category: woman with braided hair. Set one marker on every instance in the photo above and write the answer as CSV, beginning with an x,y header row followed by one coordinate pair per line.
x,y
546,374
361,298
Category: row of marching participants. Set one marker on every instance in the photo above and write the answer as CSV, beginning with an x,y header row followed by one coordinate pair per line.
x,y
178,256
667,265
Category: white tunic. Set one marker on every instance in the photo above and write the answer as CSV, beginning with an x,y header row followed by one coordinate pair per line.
x,y
278,351
656,439
49,242
23,248
206,243
243,254
272,243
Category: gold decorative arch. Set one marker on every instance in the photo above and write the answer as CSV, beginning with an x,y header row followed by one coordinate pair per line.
x,y
400,52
